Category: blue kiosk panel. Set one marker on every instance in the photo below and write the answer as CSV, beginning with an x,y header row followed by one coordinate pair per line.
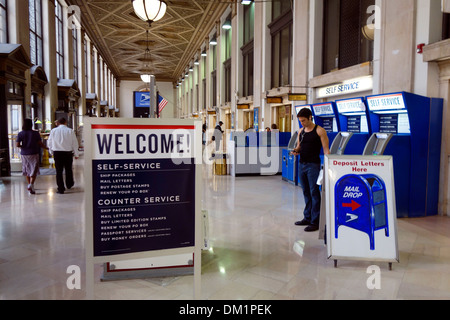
x,y
416,124
289,172
326,116
289,161
352,117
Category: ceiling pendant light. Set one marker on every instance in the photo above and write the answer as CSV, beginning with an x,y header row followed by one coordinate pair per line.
x,y
149,10
147,76
227,25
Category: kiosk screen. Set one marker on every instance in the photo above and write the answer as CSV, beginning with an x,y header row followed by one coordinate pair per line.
x,y
389,123
328,124
403,123
354,124
395,123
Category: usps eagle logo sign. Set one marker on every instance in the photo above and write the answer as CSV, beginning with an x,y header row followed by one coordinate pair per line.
x,y
145,99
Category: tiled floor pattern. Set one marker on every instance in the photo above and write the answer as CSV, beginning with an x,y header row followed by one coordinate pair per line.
x,y
252,234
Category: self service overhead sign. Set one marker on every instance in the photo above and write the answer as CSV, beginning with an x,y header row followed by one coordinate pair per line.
x,y
361,212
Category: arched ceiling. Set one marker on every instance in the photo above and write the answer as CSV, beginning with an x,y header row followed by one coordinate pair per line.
x,y
120,36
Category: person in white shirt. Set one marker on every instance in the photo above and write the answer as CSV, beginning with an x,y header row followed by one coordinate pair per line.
x,y
63,144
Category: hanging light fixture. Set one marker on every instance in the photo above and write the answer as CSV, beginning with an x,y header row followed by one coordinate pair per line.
x,y
226,25
149,10
146,77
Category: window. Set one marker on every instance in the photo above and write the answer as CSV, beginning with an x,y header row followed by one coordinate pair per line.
x,y
197,99
204,93
227,35
191,102
3,22
446,26
247,55
214,88
227,64
344,43
86,67
36,42
94,71
75,52
203,76
213,62
59,41
227,75
247,50
213,51
249,22
281,31
280,7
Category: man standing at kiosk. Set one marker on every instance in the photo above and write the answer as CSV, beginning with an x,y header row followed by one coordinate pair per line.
x,y
311,139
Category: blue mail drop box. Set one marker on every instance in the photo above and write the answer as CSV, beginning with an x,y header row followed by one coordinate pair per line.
x,y
361,204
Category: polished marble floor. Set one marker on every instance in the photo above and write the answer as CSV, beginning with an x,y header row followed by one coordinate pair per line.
x,y
252,234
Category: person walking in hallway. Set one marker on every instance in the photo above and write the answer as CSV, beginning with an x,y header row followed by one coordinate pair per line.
x,y
217,138
30,143
63,144
311,139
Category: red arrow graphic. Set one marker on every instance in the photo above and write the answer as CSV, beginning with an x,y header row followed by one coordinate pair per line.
x,y
354,205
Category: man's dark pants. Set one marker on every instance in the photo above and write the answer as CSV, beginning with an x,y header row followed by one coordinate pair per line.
x,y
63,161
309,173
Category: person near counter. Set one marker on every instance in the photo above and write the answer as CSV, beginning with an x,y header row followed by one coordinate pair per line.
x,y
311,139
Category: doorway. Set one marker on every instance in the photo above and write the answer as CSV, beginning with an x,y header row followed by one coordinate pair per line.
x,y
282,117
248,120
15,120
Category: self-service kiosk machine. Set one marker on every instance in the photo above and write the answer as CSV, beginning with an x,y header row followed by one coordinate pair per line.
x,y
354,127
377,144
270,149
256,153
289,171
409,128
289,161
326,116
238,153
340,143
